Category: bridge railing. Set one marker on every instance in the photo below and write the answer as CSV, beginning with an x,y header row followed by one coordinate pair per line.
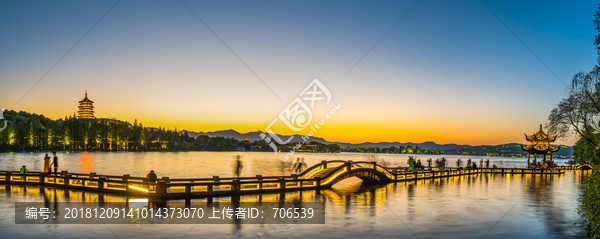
x,y
200,186
346,166
180,188
78,180
315,169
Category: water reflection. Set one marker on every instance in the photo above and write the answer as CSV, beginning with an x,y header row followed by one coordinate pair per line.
x,y
541,196
204,164
462,206
86,163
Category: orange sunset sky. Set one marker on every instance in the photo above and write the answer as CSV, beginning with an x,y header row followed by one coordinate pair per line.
x,y
448,72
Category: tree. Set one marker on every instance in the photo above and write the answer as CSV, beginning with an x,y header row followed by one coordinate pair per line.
x,y
578,114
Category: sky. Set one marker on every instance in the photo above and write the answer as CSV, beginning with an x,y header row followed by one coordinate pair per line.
x,y
448,71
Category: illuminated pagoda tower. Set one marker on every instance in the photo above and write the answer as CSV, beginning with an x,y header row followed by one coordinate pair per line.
x,y
86,108
540,144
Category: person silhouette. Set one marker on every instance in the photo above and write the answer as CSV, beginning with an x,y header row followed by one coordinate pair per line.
x,y
47,164
237,166
151,176
296,165
55,162
303,166
23,170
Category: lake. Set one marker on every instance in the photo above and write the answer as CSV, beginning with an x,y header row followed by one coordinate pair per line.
x,y
475,206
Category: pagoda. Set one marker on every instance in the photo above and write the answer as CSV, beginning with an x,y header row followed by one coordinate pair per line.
x,y
86,108
540,144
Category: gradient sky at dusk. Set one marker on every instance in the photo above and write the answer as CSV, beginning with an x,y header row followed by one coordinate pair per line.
x,y
449,72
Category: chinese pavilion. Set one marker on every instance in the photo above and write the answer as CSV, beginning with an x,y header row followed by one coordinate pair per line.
x,y
86,108
540,144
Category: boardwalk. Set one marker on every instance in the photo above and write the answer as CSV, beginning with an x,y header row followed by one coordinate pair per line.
x,y
322,175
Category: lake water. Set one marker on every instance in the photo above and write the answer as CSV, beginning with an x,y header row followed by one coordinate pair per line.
x,y
475,206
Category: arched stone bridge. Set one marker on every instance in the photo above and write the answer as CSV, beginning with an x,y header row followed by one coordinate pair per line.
x,y
331,172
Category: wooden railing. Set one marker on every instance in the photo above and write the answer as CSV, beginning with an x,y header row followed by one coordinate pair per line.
x,y
329,172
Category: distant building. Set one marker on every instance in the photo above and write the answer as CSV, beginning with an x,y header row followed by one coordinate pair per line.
x,y
540,144
154,140
239,147
86,108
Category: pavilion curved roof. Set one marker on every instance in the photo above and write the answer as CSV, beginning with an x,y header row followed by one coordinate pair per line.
x,y
540,136
86,100
540,149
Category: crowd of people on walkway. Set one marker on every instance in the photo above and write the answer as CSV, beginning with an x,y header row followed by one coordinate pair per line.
x,y
47,165
540,164
440,164
299,166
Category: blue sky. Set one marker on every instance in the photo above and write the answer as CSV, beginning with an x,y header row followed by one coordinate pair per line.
x,y
449,72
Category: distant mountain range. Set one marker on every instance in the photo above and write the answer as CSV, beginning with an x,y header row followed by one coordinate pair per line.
x,y
445,148
504,149
256,136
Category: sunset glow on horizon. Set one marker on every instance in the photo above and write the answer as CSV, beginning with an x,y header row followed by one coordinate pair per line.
x,y
450,72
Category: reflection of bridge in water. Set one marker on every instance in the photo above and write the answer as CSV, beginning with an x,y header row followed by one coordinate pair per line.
x,y
416,202
322,175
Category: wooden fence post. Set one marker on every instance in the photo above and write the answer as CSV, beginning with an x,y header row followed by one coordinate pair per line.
x,y
161,187
259,178
67,179
318,181
188,189
323,164
101,180
282,183
236,185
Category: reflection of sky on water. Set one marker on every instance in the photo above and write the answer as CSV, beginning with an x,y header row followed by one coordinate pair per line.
x,y
86,162
463,207
454,207
208,164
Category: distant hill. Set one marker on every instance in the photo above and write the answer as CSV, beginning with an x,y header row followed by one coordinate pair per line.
x,y
503,149
256,136
253,136
428,145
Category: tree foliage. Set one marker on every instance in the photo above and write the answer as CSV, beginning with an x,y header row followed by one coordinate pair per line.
x,y
393,150
26,131
578,114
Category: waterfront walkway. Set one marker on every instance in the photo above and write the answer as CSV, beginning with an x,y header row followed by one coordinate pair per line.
x,y
322,175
